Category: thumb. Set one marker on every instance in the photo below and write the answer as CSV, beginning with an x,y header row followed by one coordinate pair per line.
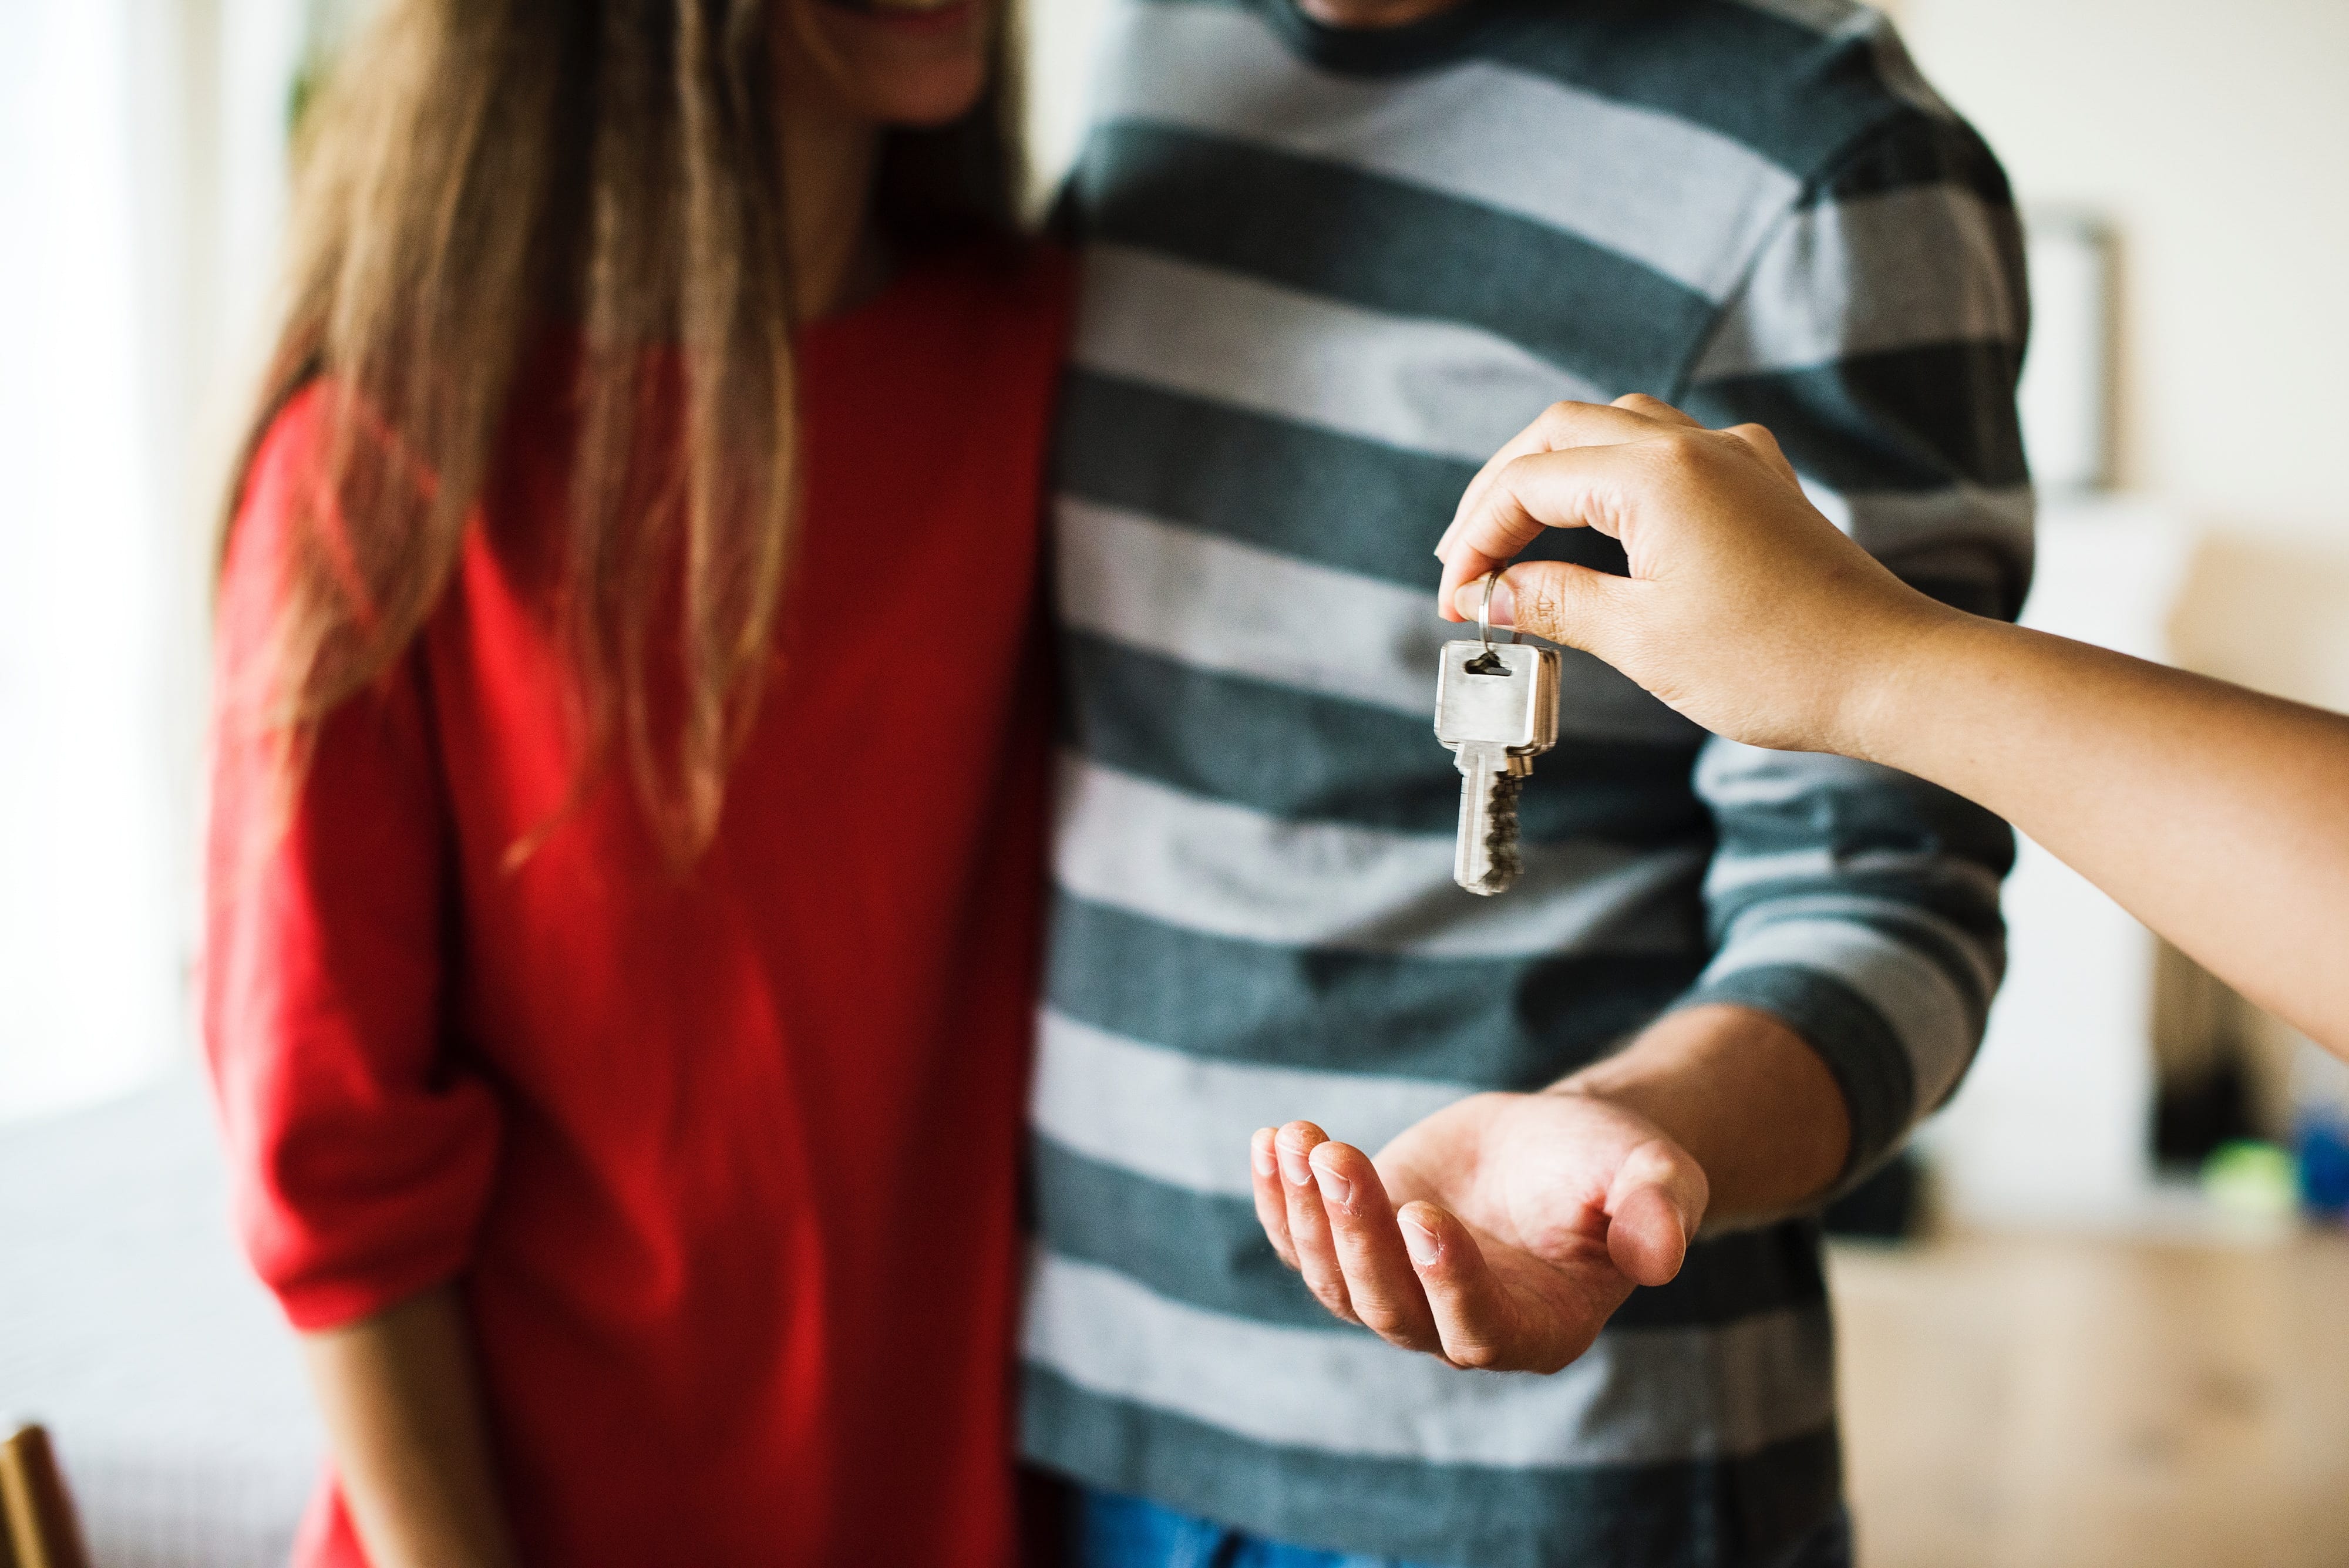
x,y
1653,1209
1554,599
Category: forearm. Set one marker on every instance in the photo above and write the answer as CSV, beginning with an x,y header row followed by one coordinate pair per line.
x,y
404,1414
1754,1105
2218,816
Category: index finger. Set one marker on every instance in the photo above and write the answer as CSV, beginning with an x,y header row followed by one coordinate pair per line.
x,y
1563,488
1566,424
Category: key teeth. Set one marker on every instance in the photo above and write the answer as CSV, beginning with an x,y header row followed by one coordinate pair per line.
x,y
1504,862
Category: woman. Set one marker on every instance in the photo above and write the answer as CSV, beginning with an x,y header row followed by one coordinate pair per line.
x,y
621,885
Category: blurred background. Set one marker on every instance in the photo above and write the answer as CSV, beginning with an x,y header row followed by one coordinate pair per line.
x,y
2103,1317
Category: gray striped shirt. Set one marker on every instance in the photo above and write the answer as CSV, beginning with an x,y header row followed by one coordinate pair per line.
x,y
1326,273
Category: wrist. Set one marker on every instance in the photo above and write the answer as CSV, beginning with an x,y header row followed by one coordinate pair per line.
x,y
1887,681
1639,1087
1742,1094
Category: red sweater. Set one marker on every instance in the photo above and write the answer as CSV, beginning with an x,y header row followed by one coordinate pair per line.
x,y
724,1165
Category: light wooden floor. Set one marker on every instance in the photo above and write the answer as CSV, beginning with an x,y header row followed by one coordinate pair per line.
x,y
2046,1402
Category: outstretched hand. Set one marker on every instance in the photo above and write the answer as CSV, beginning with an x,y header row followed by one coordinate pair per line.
x,y
1745,609
1501,1232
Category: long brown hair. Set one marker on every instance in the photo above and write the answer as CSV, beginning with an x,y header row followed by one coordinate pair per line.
x,y
474,172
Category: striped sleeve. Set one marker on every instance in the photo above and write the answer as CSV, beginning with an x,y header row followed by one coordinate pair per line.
x,y
1879,334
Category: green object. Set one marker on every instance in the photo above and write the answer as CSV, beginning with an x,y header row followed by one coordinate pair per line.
x,y
2249,1178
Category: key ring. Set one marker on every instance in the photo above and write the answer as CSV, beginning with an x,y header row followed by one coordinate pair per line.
x,y
1485,612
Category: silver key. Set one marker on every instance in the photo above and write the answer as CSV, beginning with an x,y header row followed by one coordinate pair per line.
x,y
1496,708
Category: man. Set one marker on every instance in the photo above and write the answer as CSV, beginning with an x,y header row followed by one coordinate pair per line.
x,y
1335,257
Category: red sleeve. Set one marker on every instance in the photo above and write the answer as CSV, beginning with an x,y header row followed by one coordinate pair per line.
x,y
361,1158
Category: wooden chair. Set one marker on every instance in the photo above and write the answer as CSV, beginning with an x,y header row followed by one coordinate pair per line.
x,y
38,1528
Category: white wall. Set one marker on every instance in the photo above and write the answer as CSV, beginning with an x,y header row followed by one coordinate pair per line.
x,y
141,179
87,956
2217,140
1062,37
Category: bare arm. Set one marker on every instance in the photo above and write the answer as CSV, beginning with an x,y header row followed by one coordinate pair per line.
x,y
1751,1103
2218,816
403,1410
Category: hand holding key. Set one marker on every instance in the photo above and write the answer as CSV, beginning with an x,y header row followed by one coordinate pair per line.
x,y
1501,1232
1745,609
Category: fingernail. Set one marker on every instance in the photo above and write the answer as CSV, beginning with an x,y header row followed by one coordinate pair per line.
x,y
1294,1165
1260,1153
1335,1187
1469,598
1420,1242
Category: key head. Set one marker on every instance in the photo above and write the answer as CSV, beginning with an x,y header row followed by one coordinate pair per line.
x,y
1506,696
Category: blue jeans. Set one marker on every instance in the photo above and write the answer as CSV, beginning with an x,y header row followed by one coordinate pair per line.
x,y
1112,1531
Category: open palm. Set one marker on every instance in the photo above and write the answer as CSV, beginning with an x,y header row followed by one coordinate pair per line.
x,y
1502,1231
